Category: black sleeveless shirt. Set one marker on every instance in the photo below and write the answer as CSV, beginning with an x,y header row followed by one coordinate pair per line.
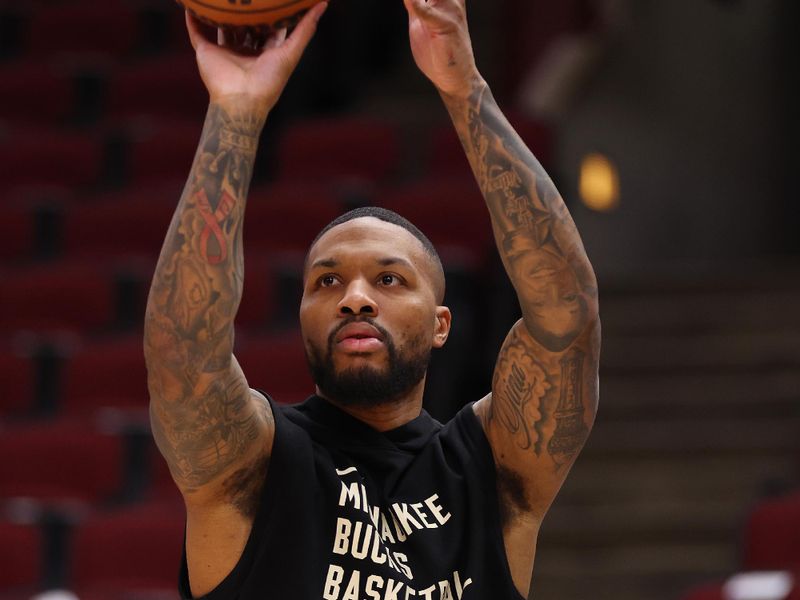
x,y
349,513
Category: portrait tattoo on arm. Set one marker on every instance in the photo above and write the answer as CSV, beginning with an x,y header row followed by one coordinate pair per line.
x,y
536,236
539,402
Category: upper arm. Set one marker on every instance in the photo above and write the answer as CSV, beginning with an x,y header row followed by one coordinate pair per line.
x,y
217,438
538,416
208,429
536,419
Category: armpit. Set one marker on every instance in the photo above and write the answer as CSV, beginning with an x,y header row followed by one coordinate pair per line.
x,y
513,501
243,488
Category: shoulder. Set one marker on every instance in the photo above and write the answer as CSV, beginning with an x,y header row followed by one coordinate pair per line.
x,y
464,437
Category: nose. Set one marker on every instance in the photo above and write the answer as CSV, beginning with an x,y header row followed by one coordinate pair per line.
x,y
357,300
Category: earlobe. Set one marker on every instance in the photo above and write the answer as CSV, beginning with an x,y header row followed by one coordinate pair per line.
x,y
443,323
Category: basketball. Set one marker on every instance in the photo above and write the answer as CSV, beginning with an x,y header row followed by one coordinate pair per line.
x,y
275,14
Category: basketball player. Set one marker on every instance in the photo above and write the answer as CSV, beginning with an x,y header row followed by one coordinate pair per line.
x,y
358,494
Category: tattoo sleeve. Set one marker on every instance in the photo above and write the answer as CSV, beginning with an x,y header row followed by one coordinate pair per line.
x,y
204,417
537,239
544,391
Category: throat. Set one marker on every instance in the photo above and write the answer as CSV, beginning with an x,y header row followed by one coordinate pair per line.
x,y
382,417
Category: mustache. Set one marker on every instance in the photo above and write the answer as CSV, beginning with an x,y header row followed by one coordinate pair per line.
x,y
387,337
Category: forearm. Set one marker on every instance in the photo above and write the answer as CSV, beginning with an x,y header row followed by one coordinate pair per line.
x,y
201,414
538,242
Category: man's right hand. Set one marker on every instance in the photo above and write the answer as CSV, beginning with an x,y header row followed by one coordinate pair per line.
x,y
257,80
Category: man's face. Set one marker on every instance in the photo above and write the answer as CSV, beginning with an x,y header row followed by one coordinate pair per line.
x,y
555,305
369,314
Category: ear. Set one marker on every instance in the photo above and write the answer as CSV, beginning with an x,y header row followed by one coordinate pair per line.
x,y
442,326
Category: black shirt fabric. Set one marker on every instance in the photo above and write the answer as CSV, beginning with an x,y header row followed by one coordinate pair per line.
x,y
350,513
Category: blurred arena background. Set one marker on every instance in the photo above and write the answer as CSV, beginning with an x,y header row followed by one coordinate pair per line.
x,y
671,129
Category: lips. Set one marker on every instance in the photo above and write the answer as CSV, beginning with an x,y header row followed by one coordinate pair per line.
x,y
359,338
358,331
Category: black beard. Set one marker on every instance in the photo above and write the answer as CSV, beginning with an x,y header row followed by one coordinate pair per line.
x,y
366,386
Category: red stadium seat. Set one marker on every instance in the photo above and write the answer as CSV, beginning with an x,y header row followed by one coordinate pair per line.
x,y
257,308
277,365
107,28
772,535
133,550
108,374
35,92
161,87
425,203
288,215
17,231
712,591
131,222
37,157
19,382
341,148
35,195
160,150
162,488
21,555
60,461
78,296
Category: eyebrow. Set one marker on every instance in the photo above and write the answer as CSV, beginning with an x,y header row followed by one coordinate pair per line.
x,y
330,263
327,263
394,260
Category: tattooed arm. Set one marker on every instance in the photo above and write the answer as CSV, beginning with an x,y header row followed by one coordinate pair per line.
x,y
215,433
544,393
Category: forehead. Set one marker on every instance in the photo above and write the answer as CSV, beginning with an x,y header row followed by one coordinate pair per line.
x,y
367,236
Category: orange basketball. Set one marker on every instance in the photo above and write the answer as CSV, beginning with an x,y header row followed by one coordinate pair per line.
x,y
249,13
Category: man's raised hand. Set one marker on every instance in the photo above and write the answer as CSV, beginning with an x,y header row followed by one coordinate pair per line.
x,y
441,44
257,80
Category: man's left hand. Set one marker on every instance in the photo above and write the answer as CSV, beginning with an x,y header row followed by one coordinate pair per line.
x,y
441,45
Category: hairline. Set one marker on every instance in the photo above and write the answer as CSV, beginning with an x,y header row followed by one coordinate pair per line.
x,y
431,255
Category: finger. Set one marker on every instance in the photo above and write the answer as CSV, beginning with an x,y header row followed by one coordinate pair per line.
x,y
195,37
302,34
276,39
418,7
427,10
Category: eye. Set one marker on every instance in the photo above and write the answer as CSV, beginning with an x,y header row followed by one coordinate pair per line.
x,y
388,280
327,280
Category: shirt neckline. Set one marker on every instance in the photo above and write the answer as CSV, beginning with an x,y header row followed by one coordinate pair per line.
x,y
410,436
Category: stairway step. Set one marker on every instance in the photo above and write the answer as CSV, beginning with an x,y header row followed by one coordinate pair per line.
x,y
598,478
745,394
723,436
709,312
670,520
707,353
652,571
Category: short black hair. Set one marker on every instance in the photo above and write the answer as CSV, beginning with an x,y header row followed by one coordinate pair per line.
x,y
389,216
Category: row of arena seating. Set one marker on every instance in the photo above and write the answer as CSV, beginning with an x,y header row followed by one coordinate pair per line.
x,y
100,113
158,147
116,28
64,375
133,221
117,554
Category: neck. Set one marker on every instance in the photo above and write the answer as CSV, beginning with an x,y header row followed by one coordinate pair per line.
x,y
385,417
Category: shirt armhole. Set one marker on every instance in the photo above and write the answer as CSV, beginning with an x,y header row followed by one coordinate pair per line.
x,y
229,587
481,451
